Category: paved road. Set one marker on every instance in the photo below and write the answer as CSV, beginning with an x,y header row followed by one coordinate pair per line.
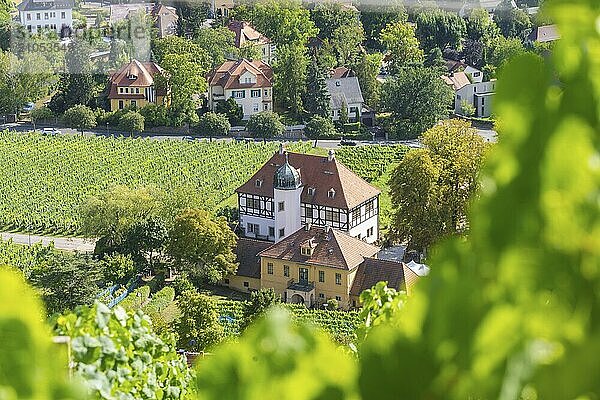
x,y
62,243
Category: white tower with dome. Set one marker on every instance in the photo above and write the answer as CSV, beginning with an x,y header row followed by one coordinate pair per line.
x,y
287,189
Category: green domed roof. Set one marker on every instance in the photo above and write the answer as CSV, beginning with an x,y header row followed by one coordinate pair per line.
x,y
287,177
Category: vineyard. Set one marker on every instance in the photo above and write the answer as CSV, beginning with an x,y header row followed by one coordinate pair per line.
x,y
340,325
44,180
370,162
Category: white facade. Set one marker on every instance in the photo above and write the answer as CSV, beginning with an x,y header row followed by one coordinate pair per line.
x,y
287,212
480,95
53,18
252,101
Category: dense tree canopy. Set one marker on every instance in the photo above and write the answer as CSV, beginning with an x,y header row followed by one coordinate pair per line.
x,y
290,77
265,124
317,98
399,40
431,188
512,22
198,327
80,117
417,99
330,16
438,28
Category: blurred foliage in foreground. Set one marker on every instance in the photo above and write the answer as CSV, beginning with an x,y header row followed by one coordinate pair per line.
x,y
512,313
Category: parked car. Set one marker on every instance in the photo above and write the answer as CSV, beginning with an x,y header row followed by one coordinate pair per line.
x,y
346,142
50,131
188,138
28,107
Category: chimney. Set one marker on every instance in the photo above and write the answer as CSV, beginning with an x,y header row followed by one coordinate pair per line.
x,y
307,227
280,148
331,155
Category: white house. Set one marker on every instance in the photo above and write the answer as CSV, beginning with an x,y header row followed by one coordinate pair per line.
x,y
344,88
249,83
57,15
468,86
294,190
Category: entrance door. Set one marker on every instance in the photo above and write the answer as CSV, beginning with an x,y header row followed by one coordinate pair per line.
x,y
303,275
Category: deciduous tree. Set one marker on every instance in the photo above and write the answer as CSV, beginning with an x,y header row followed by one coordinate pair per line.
x,y
80,117
290,77
213,124
198,326
513,22
265,124
438,28
401,44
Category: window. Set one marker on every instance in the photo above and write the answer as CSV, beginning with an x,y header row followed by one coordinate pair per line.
x,y
28,17
369,207
255,107
476,74
38,16
303,275
227,281
266,106
331,193
253,203
311,191
353,303
254,228
133,103
332,216
356,214
270,268
282,232
265,93
458,97
308,212
321,296
247,80
281,206
246,284
121,104
255,93
475,89
63,15
286,270
338,279
46,16
258,183
482,101
370,232
238,94
306,250
338,298
321,276
271,231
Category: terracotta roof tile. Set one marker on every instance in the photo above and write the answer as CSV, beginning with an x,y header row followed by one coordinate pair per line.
x,y
318,173
333,248
457,80
227,75
373,270
244,32
247,256
142,74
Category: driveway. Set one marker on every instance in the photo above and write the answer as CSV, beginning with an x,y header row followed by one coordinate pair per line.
x,y
68,244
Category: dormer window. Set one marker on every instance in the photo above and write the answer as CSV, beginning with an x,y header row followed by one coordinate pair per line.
x,y
311,191
259,183
132,77
338,83
331,193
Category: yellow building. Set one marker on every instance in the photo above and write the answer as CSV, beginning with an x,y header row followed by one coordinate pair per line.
x,y
316,264
133,85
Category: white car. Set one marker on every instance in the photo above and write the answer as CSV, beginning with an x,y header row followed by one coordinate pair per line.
x,y
50,131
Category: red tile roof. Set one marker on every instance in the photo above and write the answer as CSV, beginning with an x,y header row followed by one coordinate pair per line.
x,y
318,173
244,32
227,75
373,270
134,74
332,248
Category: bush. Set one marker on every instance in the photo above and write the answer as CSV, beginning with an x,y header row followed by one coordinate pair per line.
x,y
155,115
232,110
333,304
80,117
467,108
319,127
213,124
265,124
41,114
131,121
260,302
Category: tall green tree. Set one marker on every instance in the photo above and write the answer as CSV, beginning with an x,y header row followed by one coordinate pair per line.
x,y
375,17
346,43
438,28
431,188
198,326
318,127
367,67
265,124
513,22
480,27
260,301
317,100
202,245
330,16
290,77
191,16
399,40
80,117
417,99
219,43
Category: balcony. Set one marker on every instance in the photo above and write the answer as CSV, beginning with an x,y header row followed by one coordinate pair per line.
x,y
300,292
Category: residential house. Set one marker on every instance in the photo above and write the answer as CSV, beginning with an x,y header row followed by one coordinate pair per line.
x,y
488,5
249,83
165,20
344,90
134,85
56,15
121,12
469,87
315,264
246,35
544,34
294,190
221,8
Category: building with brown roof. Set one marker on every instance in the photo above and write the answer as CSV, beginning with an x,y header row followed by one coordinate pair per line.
x,y
544,34
249,83
134,85
293,190
316,264
469,88
165,20
246,35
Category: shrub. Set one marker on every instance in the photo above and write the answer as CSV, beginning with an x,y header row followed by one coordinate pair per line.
x,y
319,127
467,108
213,124
41,114
131,121
155,115
265,124
80,117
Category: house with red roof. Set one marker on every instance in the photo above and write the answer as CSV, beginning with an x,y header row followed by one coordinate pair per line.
x,y
249,83
246,35
134,84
